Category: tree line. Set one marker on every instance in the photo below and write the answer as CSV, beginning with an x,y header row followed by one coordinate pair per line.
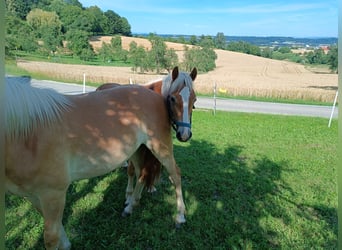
x,y
51,27
43,26
159,57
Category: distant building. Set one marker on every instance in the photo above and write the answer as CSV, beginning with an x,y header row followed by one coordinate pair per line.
x,y
325,48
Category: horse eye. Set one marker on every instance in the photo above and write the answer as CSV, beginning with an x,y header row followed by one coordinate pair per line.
x,y
172,99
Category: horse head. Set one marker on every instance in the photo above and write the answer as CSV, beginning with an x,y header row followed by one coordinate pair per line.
x,y
180,97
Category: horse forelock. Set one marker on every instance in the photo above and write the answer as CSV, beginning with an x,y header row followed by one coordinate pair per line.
x,y
183,79
27,107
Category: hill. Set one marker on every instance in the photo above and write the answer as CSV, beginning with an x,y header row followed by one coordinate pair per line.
x,y
238,74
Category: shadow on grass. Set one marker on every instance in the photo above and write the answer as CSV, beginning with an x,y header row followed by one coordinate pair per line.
x,y
234,201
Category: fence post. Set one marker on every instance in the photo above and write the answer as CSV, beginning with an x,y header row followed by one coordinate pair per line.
x,y
83,83
215,98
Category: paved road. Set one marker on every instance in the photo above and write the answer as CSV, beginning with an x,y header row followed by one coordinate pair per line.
x,y
221,104
266,107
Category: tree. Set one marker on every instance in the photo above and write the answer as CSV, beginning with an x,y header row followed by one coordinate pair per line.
x,y
52,40
118,52
113,22
19,35
316,57
18,8
206,42
157,53
125,27
220,41
78,43
41,20
203,58
244,47
83,22
193,40
105,52
98,21
137,56
266,52
67,15
171,59
117,24
333,58
74,3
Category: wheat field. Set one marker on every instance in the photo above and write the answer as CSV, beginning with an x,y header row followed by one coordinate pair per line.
x,y
236,74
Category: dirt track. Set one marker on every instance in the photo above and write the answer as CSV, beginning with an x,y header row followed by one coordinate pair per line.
x,y
236,73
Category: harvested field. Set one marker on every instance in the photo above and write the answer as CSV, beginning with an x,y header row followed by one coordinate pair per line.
x,y
238,74
246,75
96,42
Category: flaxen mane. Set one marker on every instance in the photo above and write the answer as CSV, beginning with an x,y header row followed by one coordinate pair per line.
x,y
167,87
28,107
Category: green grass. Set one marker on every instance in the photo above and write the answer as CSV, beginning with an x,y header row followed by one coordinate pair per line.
x,y
250,181
270,99
67,59
12,69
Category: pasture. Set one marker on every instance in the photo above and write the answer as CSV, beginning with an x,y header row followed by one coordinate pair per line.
x,y
250,181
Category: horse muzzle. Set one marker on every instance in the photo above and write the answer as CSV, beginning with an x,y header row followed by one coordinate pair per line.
x,y
183,133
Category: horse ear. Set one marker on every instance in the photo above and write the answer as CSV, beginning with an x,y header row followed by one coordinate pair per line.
x,y
175,73
193,74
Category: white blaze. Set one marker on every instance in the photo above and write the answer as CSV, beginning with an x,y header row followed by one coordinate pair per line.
x,y
185,94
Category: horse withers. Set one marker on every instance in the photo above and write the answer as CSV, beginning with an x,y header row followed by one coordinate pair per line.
x,y
179,96
62,138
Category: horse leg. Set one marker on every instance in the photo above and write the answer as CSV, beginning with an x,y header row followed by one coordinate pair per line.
x,y
134,197
174,173
52,204
130,183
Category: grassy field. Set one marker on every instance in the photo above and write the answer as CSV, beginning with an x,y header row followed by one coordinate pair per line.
x,y
250,181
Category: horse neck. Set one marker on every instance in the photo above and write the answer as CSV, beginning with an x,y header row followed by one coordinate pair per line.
x,y
155,86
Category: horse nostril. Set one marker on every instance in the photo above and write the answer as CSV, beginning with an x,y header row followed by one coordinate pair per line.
x,y
181,138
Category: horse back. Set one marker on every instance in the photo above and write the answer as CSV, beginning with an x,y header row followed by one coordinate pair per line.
x,y
111,124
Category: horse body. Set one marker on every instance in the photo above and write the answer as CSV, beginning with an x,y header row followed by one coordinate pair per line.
x,y
149,168
93,135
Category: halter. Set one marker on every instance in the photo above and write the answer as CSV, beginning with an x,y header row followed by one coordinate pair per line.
x,y
175,124
168,86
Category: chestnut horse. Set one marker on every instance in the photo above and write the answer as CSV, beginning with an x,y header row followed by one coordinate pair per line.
x,y
52,140
149,169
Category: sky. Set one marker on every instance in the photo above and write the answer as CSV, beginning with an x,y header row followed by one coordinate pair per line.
x,y
294,18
